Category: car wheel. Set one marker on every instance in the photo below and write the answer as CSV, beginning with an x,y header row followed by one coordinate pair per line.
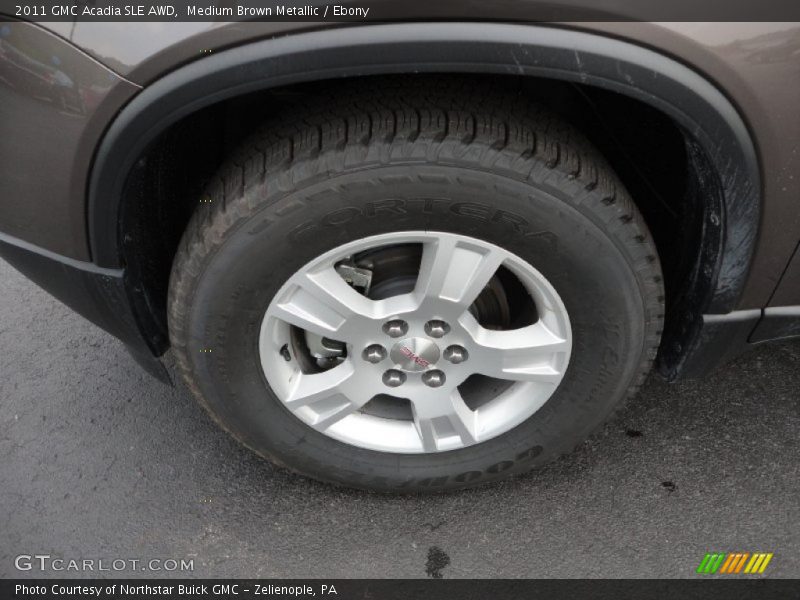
x,y
407,290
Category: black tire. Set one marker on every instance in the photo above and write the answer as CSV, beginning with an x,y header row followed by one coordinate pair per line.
x,y
375,159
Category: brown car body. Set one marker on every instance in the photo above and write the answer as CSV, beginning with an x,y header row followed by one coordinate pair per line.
x,y
105,93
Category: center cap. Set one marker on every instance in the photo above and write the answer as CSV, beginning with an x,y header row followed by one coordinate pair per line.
x,y
414,354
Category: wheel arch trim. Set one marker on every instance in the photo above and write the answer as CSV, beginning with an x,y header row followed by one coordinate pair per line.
x,y
702,110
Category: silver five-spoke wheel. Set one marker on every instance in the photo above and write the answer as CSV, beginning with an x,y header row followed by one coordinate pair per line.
x,y
415,342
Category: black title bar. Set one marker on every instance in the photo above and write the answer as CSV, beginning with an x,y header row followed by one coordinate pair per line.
x,y
391,589
399,10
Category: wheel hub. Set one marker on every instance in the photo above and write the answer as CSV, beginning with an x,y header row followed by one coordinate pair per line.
x,y
415,354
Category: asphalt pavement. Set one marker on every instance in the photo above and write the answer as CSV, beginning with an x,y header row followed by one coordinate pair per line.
x,y
100,461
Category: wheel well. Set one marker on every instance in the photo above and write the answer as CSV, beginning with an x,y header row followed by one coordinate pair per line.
x,y
659,163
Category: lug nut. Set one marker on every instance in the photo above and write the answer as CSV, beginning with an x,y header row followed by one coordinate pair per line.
x,y
456,354
393,378
436,328
395,328
374,353
433,378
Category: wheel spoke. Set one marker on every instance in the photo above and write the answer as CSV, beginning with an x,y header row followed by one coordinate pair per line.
x,y
525,354
332,395
311,388
324,304
442,415
453,273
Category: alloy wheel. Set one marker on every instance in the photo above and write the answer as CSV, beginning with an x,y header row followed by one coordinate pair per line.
x,y
395,371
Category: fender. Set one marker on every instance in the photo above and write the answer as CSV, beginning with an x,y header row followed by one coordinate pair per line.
x,y
710,122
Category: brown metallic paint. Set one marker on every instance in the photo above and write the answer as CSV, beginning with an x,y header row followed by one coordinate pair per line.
x,y
51,118
788,292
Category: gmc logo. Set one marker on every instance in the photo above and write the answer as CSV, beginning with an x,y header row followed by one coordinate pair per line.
x,y
409,354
